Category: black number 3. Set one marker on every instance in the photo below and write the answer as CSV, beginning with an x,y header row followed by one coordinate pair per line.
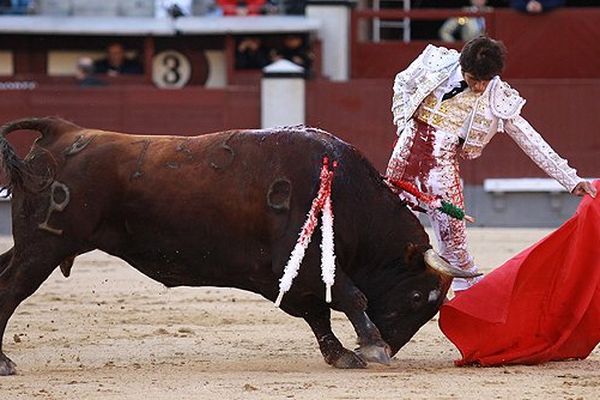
x,y
172,75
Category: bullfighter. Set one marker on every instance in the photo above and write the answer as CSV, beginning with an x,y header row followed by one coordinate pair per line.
x,y
448,104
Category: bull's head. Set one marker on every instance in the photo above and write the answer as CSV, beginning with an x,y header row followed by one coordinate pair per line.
x,y
406,302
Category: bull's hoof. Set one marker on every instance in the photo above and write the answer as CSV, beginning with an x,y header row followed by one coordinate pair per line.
x,y
375,353
7,367
349,360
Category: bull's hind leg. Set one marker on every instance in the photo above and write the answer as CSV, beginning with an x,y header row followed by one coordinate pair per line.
x,y
333,351
19,280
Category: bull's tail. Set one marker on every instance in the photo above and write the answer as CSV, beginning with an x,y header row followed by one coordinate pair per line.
x,y
18,174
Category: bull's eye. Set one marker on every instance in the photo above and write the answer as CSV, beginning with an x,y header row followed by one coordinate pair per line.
x,y
416,297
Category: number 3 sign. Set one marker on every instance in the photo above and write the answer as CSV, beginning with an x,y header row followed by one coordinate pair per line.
x,y
171,70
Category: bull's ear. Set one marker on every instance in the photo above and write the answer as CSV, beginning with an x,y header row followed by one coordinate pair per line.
x,y
410,251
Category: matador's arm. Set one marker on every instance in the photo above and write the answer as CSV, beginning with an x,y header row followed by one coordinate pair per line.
x,y
532,143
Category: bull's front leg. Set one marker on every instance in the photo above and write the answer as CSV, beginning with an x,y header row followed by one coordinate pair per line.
x,y
333,351
346,297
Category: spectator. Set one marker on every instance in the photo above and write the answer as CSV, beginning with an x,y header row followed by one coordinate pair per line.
x,y
251,54
465,28
85,73
172,8
536,6
244,7
182,8
5,6
205,7
15,7
295,50
287,7
116,62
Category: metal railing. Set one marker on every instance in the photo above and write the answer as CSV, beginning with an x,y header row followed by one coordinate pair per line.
x,y
379,16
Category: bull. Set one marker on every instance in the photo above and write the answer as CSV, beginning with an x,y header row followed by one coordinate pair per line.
x,y
222,209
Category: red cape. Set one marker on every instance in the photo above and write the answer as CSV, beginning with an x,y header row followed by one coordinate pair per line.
x,y
541,305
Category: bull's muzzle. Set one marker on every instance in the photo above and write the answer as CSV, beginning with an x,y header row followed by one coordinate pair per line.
x,y
434,261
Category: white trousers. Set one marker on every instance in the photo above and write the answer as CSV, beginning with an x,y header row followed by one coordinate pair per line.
x,y
428,158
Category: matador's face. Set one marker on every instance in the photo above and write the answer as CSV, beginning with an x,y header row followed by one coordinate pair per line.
x,y
476,85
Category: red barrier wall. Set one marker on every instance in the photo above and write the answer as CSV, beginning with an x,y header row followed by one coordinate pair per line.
x,y
564,111
559,44
136,109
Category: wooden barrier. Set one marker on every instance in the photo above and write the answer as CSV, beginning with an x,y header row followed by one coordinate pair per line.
x,y
558,44
357,111
561,110
135,109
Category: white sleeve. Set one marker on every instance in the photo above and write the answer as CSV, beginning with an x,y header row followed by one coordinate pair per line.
x,y
532,143
401,93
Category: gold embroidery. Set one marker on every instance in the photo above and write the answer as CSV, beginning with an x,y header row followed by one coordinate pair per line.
x,y
476,137
481,121
450,115
437,120
430,101
470,151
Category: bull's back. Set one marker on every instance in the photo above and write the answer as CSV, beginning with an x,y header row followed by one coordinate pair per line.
x,y
232,180
214,180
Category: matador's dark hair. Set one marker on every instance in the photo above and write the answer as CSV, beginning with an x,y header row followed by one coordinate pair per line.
x,y
483,57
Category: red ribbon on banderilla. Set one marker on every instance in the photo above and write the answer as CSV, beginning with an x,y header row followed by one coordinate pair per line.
x,y
430,201
320,204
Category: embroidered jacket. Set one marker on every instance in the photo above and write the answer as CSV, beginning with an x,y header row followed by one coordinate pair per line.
x,y
497,109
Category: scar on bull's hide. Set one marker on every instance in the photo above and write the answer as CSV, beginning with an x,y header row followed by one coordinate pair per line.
x,y
182,147
138,165
171,165
44,163
79,144
278,196
59,198
223,155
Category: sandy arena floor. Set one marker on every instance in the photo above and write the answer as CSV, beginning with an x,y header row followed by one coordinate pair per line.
x,y
109,332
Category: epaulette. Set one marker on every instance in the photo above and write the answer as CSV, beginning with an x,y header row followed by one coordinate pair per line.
x,y
436,58
506,103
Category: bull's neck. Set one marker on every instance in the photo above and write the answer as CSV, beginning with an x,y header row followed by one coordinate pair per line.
x,y
385,233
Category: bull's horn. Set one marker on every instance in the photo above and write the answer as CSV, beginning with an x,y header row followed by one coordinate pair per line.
x,y
436,262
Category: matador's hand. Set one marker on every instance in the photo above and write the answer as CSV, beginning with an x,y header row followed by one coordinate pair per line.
x,y
584,187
